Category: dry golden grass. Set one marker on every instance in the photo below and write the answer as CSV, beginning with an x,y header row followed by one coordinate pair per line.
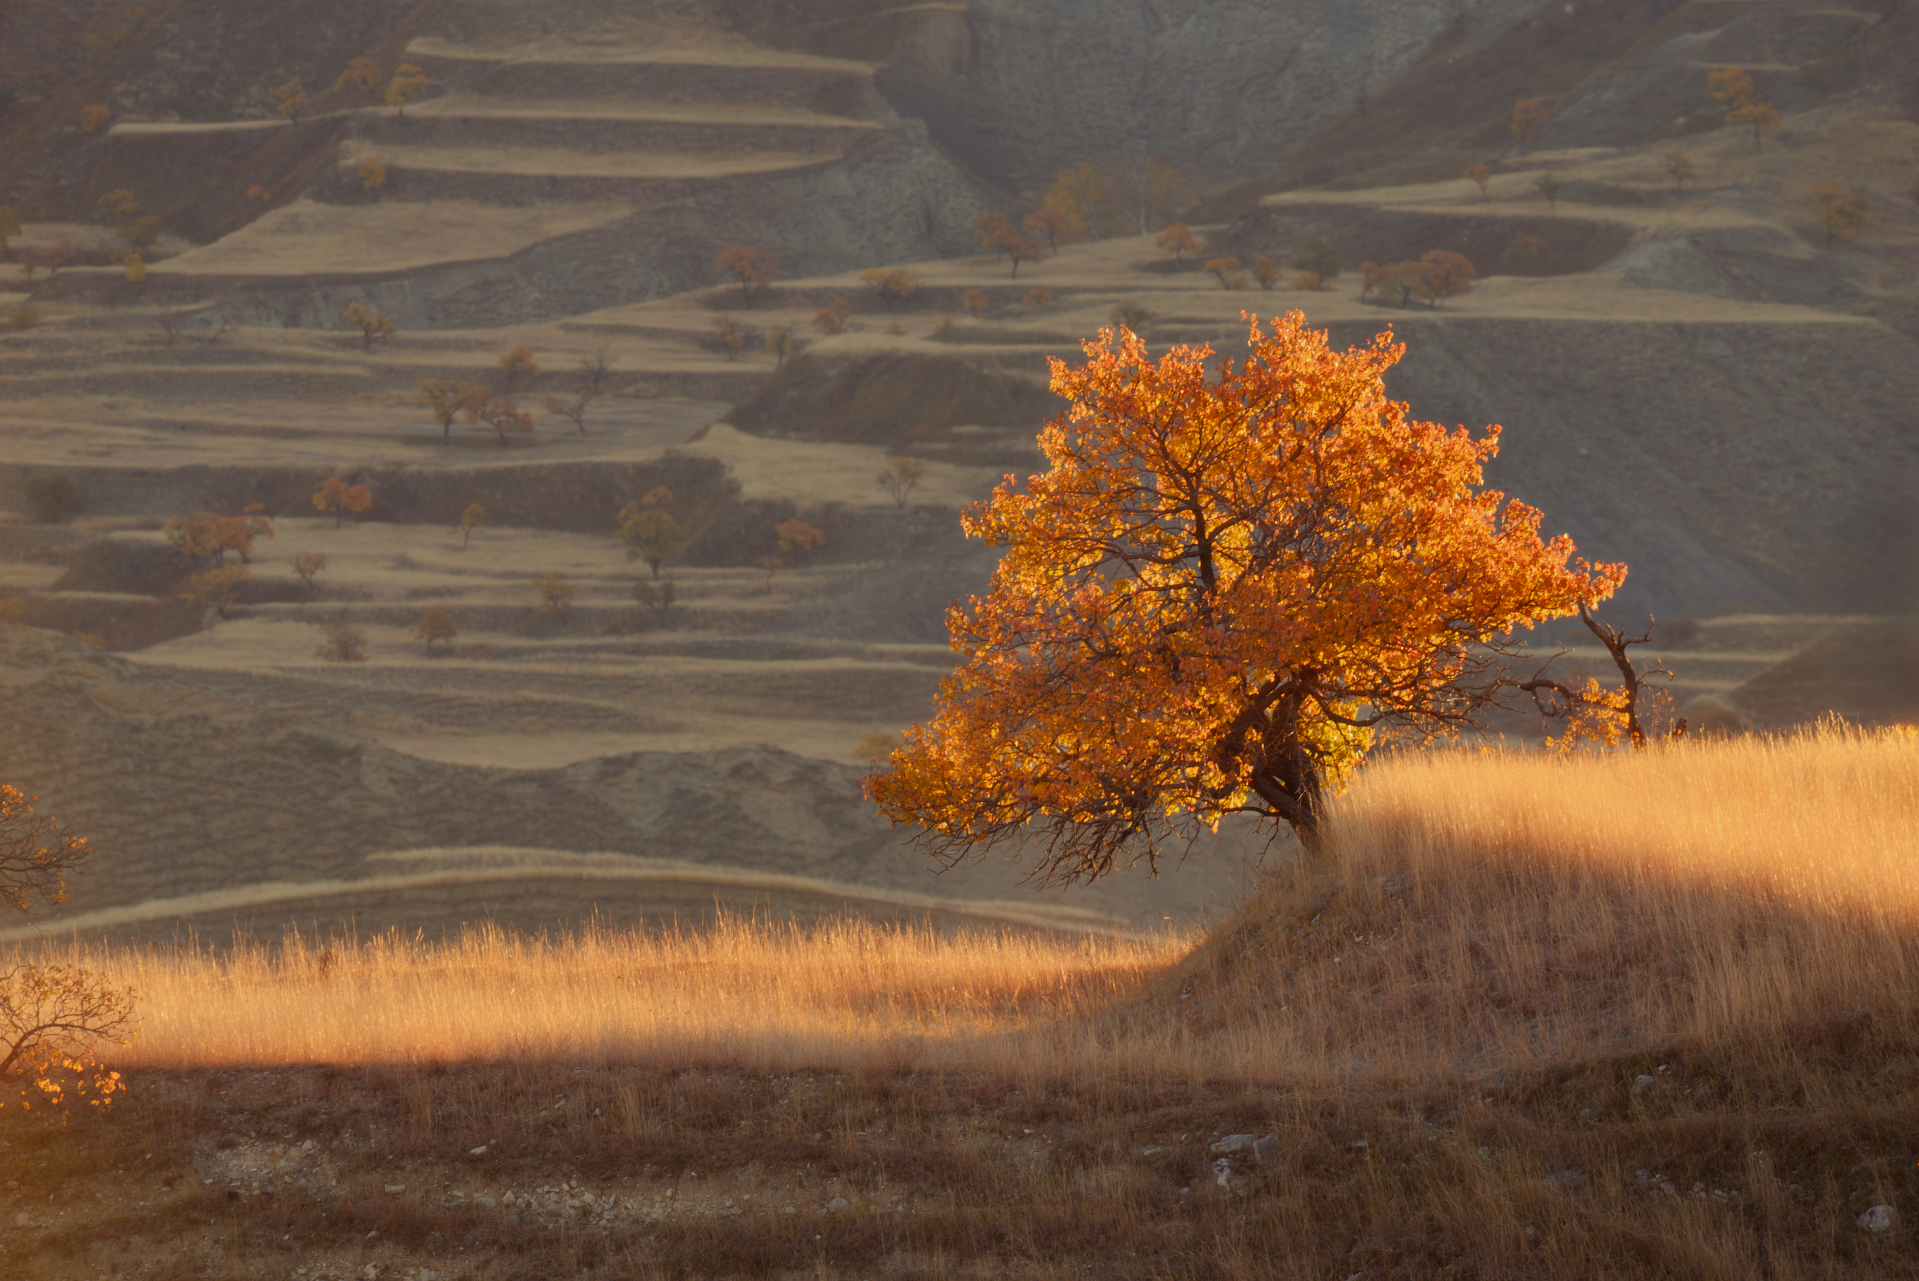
x,y
1480,912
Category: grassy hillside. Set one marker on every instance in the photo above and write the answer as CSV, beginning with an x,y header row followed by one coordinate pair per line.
x,y
1642,1016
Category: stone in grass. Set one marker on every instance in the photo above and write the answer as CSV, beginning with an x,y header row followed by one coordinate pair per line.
x,y
1880,1218
1640,1084
838,1205
1265,1148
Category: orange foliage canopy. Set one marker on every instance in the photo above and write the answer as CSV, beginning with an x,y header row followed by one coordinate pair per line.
x,y
1231,575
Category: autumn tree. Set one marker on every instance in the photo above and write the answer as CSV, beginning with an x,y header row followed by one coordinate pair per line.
x,y
504,416
290,100
795,539
217,589
341,643
1264,271
893,286
1129,315
1232,576
754,268
1221,269
974,302
363,75
1084,199
206,537
371,172
730,334
517,364
447,400
1730,87
1482,176
1444,274
307,566
1034,299
1322,258
1760,117
1049,223
471,519
372,323
1840,211
340,497
1153,184
831,319
556,594
779,341
93,118
56,1018
1548,186
658,597
1176,242
435,625
1020,247
1678,167
992,228
900,477
1592,714
649,530
573,406
408,83
1529,120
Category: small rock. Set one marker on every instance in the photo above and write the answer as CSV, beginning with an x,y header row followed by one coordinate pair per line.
x,y
1266,1150
1223,1171
789,1209
396,1187
1880,1218
838,1205
1233,1143
1587,1114
23,1220
1359,1143
1642,1083
485,1202
428,1274
479,1151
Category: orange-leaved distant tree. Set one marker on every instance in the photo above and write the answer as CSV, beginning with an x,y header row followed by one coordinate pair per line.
x,y
307,566
1224,270
1445,274
372,173
435,625
1232,575
290,100
218,588
340,497
471,519
1086,200
516,364
754,268
893,286
504,416
1841,211
649,530
55,1018
1177,241
207,537
408,83
1731,87
796,538
831,319
447,399
363,74
1320,257
372,322
1481,175
730,334
1678,167
94,117
1051,224
1529,120
1760,117
556,593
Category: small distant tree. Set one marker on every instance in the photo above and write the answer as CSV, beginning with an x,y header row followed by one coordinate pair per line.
x,y
435,625
1153,183
504,416
1322,258
208,538
657,597
1731,87
1221,268
1527,256
257,192
900,477
1129,315
170,322
93,118
1021,248
341,497
1083,197
372,173
779,341
363,74
471,519
290,100
118,205
1037,298
1678,167
573,407
58,254
796,538
136,266
596,370
1049,223
1264,271
408,83
1444,274
1176,242
1548,186
517,364
216,588
1529,121
1482,176
730,334
754,268
372,323
992,228
1593,714
447,400
649,530
53,1018
1842,212
556,594
831,319
893,286
307,566
9,228
974,302
1760,117
341,644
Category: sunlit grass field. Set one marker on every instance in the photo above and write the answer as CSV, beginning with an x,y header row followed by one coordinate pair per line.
x,y
1478,911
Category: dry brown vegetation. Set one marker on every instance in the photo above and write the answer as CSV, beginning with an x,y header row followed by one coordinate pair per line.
x,y
1631,1016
